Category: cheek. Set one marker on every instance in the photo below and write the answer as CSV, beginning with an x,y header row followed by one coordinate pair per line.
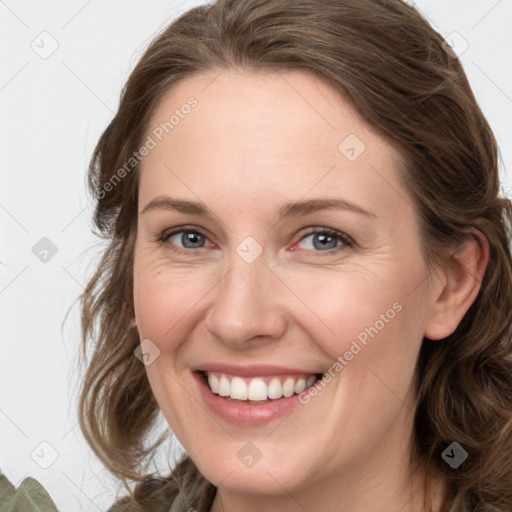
x,y
343,306
163,296
370,324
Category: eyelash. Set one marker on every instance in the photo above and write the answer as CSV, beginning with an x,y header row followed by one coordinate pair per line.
x,y
347,242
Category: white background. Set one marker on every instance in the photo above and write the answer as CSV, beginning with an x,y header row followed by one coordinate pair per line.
x,y
52,112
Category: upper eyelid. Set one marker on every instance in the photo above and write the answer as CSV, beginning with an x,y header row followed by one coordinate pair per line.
x,y
185,227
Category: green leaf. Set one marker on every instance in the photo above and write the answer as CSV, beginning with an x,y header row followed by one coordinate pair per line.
x,y
6,489
31,496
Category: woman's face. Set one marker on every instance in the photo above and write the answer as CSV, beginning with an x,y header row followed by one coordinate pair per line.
x,y
275,244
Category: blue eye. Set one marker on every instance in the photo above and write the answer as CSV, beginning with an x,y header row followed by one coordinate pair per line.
x,y
326,240
189,239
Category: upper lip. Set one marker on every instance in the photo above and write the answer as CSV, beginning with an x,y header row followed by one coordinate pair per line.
x,y
256,370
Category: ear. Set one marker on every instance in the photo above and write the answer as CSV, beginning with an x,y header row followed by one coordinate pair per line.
x,y
460,282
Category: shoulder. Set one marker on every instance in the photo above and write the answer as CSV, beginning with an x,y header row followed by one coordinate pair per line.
x,y
151,495
184,489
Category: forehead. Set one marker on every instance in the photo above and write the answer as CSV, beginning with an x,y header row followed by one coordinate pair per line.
x,y
262,135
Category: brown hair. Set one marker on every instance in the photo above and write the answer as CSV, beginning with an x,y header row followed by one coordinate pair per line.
x,y
391,65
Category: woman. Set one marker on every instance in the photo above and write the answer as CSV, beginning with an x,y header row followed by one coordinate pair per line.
x,y
308,270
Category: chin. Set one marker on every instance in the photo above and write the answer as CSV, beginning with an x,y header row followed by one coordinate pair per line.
x,y
268,478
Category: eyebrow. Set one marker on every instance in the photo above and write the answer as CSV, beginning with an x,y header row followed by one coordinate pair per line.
x,y
288,209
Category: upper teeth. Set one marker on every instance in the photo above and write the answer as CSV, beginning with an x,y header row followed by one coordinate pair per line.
x,y
258,388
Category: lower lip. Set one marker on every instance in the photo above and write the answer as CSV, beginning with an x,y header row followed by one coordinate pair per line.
x,y
243,413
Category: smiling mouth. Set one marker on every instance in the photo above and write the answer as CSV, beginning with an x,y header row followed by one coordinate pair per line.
x,y
257,390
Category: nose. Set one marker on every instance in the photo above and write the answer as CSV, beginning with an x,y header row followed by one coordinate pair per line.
x,y
246,304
